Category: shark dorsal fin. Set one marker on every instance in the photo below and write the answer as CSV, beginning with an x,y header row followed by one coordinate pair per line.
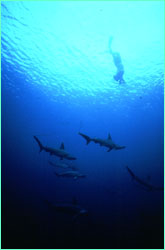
x,y
62,146
109,137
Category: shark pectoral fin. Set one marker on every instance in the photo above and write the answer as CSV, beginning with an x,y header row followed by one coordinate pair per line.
x,y
75,178
109,150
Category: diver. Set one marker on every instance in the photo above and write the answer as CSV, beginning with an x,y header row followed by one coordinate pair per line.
x,y
118,63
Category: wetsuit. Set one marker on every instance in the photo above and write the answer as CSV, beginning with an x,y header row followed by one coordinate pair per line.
x,y
118,63
120,68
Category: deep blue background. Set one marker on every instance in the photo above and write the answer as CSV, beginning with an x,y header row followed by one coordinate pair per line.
x,y
121,213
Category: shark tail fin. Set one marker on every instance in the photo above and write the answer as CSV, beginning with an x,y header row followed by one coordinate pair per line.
x,y
39,143
87,138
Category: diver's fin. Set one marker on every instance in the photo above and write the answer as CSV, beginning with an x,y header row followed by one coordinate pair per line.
x,y
87,138
109,137
62,146
39,143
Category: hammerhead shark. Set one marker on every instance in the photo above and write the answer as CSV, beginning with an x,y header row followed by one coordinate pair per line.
x,y
73,174
103,142
61,165
53,151
69,208
143,183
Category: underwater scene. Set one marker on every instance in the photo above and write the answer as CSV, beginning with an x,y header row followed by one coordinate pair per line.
x,y
82,87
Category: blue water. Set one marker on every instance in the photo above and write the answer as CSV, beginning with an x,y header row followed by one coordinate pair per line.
x,y
57,81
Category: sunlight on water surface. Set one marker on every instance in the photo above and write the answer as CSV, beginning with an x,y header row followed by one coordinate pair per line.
x,y
61,48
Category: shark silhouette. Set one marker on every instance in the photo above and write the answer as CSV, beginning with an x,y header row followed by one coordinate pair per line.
x,y
53,151
71,208
73,174
103,142
62,165
143,183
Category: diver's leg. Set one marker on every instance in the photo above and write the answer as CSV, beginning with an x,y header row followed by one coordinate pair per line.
x,y
116,77
121,80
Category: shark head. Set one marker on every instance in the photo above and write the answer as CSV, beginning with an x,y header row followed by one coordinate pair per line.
x,y
70,157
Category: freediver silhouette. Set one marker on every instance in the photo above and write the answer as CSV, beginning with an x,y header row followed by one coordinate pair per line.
x,y
118,63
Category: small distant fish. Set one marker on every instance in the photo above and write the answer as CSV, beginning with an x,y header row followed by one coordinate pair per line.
x,y
73,174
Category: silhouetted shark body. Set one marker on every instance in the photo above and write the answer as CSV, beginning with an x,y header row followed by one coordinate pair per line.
x,y
103,142
145,184
69,208
61,165
53,151
73,174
